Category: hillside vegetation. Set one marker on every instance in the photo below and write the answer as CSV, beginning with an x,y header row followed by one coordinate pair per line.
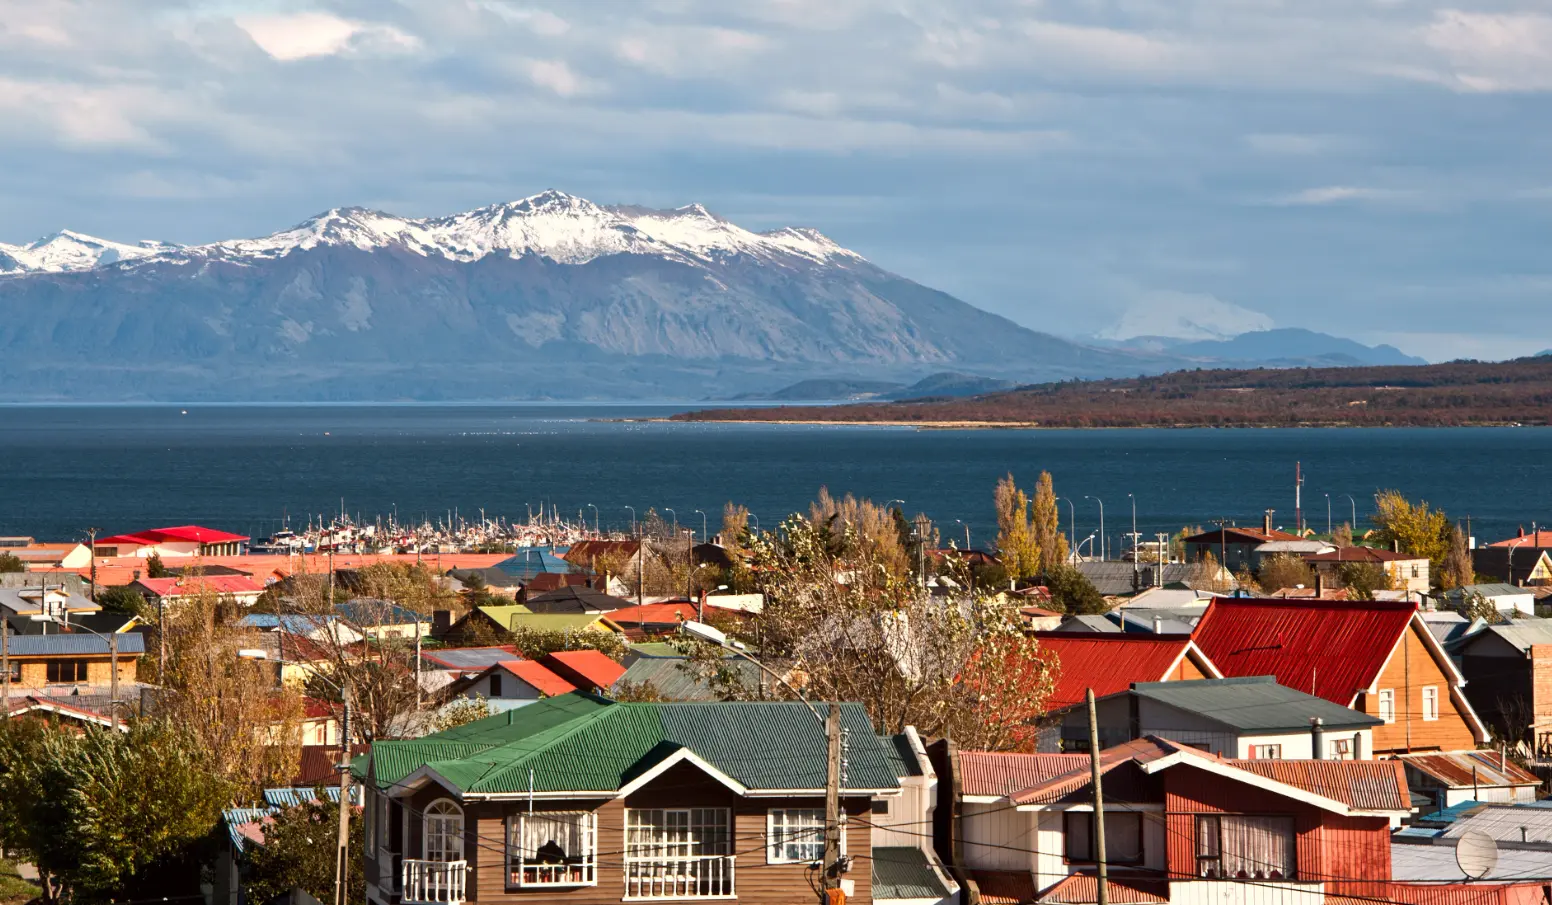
x,y
1444,395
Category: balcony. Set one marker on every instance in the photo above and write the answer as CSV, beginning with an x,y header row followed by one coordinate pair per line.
x,y
703,877
434,882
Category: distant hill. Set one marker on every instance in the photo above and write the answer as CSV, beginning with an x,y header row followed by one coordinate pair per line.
x,y
1442,395
946,383
1293,347
950,383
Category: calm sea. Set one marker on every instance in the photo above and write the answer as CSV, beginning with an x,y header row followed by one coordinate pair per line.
x,y
243,468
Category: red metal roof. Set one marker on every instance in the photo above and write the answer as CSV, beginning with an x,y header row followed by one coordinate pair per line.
x,y
1362,554
187,533
1371,785
1108,662
1330,649
1122,889
997,774
547,682
589,666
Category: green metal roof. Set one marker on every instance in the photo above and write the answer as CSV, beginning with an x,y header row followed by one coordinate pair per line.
x,y
578,743
518,616
904,873
1253,703
901,757
674,683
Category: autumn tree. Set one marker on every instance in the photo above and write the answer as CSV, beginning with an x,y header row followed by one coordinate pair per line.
x,y
1046,524
1458,570
1208,575
1281,571
1016,545
155,568
1343,535
1177,541
844,618
868,527
1413,527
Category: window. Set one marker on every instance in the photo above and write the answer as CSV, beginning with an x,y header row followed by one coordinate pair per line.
x,y
1123,836
1388,705
443,832
881,806
1430,702
553,849
678,853
66,670
797,835
1415,573
1266,752
495,685
1232,846
16,670
1341,749
381,821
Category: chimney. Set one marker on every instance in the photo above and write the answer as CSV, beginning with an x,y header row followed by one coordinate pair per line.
x,y
1158,625
441,621
1318,738
1266,524
1320,584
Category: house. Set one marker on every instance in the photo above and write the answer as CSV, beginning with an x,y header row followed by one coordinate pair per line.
x,y
240,588
573,599
1454,777
1405,571
1123,579
671,677
905,864
586,553
1297,549
588,670
40,706
379,619
1522,835
1505,598
45,598
178,541
38,557
1515,564
577,798
1249,718
1233,548
58,662
1508,670
1110,663
1181,825
1376,657
461,661
501,621
665,617
319,629
511,683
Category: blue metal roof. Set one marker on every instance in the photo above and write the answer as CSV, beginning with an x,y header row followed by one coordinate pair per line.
x,y
235,817
75,644
530,561
292,623
377,612
291,797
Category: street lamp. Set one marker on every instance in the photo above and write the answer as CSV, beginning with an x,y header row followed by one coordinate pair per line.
x,y
967,534
704,536
676,518
1354,523
892,502
1072,524
633,518
829,877
756,521
1328,515
113,663
1101,525
595,517
342,851
1134,537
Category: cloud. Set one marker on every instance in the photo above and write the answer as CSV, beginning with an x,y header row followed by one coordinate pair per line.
x,y
303,35
1493,52
558,77
1334,194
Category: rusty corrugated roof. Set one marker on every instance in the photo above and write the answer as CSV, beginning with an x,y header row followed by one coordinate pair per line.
x,y
997,774
1463,769
1332,650
1122,889
1370,785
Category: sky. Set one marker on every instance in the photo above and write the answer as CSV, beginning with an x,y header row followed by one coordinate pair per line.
x,y
1379,169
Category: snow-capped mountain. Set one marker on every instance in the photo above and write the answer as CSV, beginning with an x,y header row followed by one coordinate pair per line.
x,y
554,225
552,296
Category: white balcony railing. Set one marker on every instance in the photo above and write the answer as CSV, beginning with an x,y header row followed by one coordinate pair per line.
x,y
679,878
434,882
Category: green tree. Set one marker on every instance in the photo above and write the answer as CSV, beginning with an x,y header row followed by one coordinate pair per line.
x,y
459,712
122,599
10,562
298,850
1284,571
534,643
1046,524
1073,593
1016,545
155,568
1362,579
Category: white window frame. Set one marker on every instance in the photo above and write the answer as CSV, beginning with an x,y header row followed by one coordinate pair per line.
x,y
649,862
779,837
1266,752
1430,702
1387,705
569,874
1341,749
440,813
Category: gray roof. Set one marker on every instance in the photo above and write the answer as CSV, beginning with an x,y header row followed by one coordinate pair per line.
x,y
1507,824
11,598
904,873
1522,633
1115,579
1411,863
1168,622
75,644
1253,703
1496,589
676,684
1087,624
468,658
1294,546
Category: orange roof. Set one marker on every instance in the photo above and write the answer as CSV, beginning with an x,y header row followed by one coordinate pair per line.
x,y
1108,662
1375,785
1537,538
118,570
547,682
1080,888
195,584
997,774
1333,650
585,667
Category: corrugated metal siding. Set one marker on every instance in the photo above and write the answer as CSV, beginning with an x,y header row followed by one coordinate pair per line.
x,y
1331,650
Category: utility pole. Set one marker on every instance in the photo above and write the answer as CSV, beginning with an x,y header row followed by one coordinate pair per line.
x,y
91,535
1160,560
342,852
1103,897
830,876
5,666
113,681
1135,538
161,640
1298,501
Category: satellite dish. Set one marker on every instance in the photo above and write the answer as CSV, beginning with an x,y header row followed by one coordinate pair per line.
x,y
1476,854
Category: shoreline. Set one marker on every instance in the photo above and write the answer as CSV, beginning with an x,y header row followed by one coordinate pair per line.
x,y
1035,425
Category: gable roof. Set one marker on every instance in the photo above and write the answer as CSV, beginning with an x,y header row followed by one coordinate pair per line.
x,y
1236,535
465,658
512,618
1253,703
577,743
584,667
74,645
991,774
1110,662
1538,538
668,678
574,599
378,612
1334,650
543,680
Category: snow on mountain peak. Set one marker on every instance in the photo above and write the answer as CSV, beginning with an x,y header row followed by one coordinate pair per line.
x,y
553,224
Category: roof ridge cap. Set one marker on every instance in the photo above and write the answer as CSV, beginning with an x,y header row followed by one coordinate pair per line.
x,y
571,727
